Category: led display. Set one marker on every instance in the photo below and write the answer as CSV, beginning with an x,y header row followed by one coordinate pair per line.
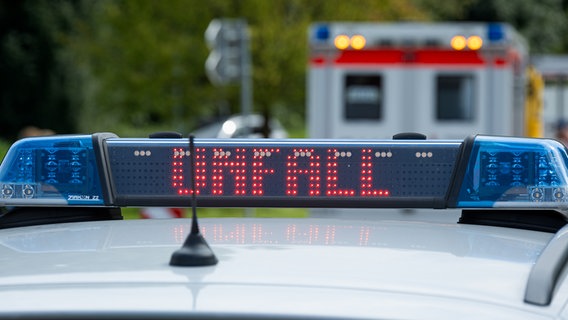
x,y
283,171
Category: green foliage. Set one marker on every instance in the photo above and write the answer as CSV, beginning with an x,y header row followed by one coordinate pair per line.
x,y
4,146
144,63
36,81
542,22
137,66
145,59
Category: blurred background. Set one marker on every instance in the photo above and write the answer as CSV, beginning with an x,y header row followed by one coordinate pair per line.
x,y
138,66
134,67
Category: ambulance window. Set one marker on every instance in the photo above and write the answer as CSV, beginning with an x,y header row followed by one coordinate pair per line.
x,y
363,97
454,97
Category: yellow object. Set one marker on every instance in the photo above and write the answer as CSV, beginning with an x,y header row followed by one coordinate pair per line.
x,y
358,42
342,42
474,42
534,104
458,42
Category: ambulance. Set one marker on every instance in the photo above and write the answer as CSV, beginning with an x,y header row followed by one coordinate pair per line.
x,y
443,80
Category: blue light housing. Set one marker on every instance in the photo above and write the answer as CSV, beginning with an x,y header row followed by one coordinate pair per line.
x,y
322,32
495,32
515,172
57,170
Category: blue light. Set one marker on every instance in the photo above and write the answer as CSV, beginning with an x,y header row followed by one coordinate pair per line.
x,y
495,172
495,32
58,170
515,172
322,32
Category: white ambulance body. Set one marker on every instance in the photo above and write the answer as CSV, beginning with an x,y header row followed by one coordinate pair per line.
x,y
445,80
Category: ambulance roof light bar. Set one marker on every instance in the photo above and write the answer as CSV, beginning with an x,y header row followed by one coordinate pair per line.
x,y
103,170
474,36
356,42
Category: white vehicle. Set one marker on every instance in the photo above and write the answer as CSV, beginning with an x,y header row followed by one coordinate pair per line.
x,y
444,80
239,126
65,253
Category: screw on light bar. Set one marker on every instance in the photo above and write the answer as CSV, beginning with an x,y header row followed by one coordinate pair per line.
x,y
104,170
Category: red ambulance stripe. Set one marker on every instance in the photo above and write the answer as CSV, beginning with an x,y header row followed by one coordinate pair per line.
x,y
448,57
371,56
396,56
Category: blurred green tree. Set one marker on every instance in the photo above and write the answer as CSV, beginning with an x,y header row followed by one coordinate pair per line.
x,y
145,59
136,66
37,83
542,22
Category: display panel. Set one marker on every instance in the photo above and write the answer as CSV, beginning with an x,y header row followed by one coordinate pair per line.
x,y
297,172
104,170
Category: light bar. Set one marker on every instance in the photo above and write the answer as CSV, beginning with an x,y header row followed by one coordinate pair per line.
x,y
104,170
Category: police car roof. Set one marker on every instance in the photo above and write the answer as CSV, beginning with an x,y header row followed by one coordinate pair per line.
x,y
505,259
273,268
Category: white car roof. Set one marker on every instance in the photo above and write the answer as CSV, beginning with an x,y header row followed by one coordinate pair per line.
x,y
273,268
65,253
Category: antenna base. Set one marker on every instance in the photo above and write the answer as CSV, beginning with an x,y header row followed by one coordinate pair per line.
x,y
195,252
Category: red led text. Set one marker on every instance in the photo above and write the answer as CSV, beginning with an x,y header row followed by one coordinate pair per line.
x,y
259,171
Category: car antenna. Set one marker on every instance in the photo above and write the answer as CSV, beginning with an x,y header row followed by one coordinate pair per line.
x,y
195,252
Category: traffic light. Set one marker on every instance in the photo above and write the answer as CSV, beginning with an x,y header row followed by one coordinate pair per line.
x,y
228,41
